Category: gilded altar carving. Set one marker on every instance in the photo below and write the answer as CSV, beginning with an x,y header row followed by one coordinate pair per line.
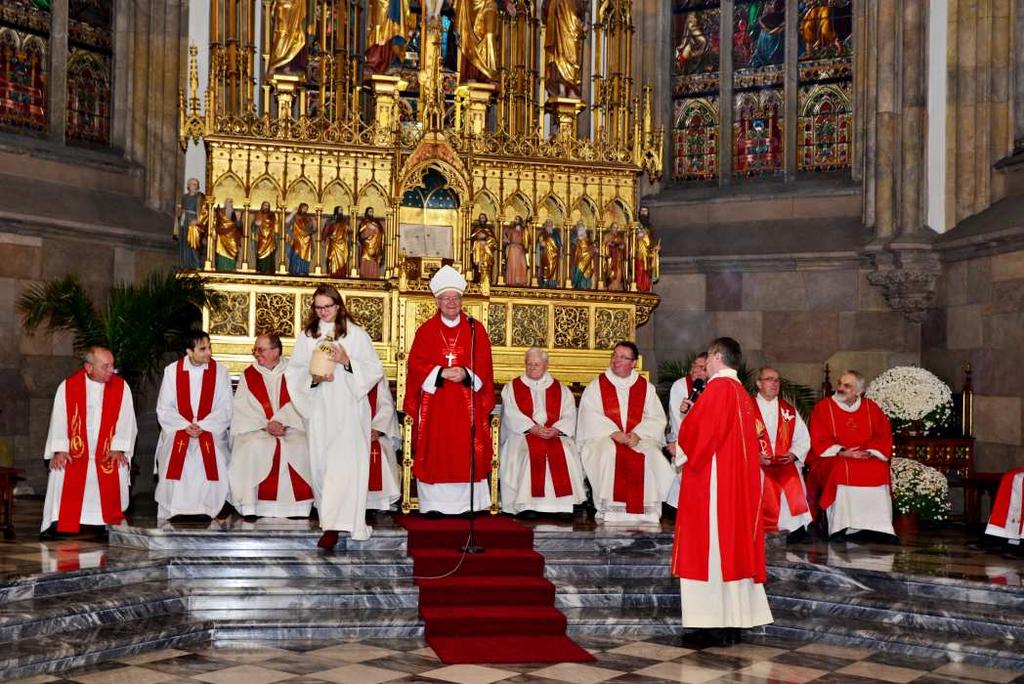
x,y
275,312
232,316
369,313
529,325
610,326
497,323
572,327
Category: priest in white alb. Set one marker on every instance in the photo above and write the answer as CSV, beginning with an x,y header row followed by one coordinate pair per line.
x,y
384,488
620,434
89,446
269,471
1007,518
540,468
193,452
784,443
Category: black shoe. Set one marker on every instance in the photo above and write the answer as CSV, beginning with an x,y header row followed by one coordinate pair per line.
x,y
433,515
668,511
838,537
706,638
49,534
250,518
526,515
102,534
734,635
798,536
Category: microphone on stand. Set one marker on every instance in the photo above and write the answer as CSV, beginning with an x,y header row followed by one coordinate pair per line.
x,y
471,546
698,387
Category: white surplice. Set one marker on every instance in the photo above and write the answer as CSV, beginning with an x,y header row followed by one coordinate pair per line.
x,y
1011,531
337,419
386,422
252,450
57,440
515,471
193,494
801,444
597,450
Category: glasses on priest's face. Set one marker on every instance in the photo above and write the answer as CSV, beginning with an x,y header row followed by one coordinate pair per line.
x,y
262,350
325,307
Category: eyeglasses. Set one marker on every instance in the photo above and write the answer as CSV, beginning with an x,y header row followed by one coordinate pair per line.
x,y
450,298
260,350
620,357
768,380
325,307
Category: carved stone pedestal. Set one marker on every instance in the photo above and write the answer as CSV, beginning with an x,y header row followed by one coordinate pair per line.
x,y
566,112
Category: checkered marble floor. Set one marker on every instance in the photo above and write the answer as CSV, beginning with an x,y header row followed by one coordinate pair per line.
x,y
372,661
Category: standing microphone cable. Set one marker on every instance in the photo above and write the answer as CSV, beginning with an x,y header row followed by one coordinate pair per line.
x,y
471,545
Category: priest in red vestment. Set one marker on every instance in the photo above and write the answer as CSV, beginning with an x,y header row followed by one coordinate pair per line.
x,y
449,389
89,445
784,442
851,444
1007,520
718,552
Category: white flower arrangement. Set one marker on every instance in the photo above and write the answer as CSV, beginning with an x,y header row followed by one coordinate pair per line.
x,y
921,489
913,398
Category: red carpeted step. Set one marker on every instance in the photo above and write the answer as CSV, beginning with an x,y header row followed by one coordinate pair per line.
x,y
478,590
492,621
433,562
490,531
509,649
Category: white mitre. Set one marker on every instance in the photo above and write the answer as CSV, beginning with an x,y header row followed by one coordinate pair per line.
x,y
447,278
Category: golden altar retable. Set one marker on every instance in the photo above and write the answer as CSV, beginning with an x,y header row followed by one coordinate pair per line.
x,y
327,131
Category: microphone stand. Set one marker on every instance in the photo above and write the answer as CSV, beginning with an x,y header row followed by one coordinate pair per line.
x,y
471,545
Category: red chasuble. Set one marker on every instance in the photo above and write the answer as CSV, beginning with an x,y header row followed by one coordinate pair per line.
x,y
780,477
70,513
722,425
376,472
181,438
628,486
865,428
1001,505
441,420
545,453
267,490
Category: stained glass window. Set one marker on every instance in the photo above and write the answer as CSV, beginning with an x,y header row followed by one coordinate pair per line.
x,y
758,53
24,64
825,119
90,62
695,83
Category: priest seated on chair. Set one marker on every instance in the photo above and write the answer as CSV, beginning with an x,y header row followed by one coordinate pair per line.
x,y
851,444
540,467
620,433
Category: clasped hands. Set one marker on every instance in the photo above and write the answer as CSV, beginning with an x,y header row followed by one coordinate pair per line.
x,y
275,429
61,459
543,432
855,453
630,439
766,459
454,374
338,355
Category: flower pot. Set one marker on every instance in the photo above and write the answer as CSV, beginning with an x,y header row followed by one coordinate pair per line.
x,y
904,523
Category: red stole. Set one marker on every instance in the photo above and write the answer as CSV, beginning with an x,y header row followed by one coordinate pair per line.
x,y
544,451
866,428
181,438
376,466
1001,506
779,478
629,464
267,490
73,492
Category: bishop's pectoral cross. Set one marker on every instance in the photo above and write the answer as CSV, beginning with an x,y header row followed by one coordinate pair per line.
x,y
451,357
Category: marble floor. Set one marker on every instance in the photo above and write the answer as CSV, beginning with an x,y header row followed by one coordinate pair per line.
x,y
949,552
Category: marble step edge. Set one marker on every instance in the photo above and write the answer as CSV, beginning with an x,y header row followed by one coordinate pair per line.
x,y
104,577
308,617
41,655
974,655
82,615
257,541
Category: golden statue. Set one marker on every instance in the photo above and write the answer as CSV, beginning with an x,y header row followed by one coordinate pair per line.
x,y
483,246
550,247
264,230
288,37
228,232
615,259
584,255
516,243
371,237
336,239
477,24
301,227
386,20
646,266
563,46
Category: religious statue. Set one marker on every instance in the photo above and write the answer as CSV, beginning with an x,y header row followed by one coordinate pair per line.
x,y
584,256
477,24
301,227
615,259
483,245
288,33
371,240
563,46
388,24
228,234
264,232
188,230
515,240
645,262
550,248
336,241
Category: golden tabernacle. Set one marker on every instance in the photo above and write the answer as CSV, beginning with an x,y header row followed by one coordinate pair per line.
x,y
368,142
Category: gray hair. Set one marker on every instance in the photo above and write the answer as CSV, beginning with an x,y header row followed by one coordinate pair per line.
x,y
89,354
858,377
537,350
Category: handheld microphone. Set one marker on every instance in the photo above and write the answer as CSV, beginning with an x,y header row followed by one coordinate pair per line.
x,y
698,387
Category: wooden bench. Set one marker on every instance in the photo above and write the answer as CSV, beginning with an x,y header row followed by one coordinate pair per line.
x,y
8,478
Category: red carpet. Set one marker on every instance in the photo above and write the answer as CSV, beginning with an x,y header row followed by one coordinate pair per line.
x,y
497,608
